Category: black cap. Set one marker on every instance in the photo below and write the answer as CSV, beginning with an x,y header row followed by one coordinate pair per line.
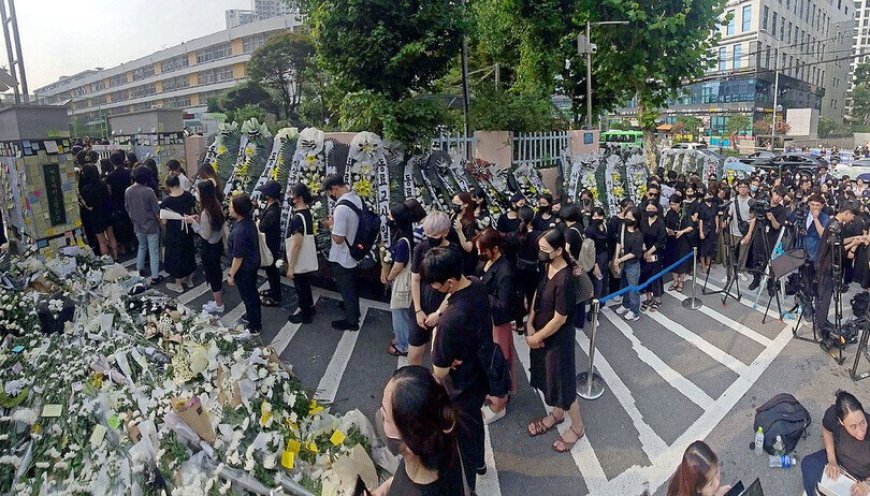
x,y
271,189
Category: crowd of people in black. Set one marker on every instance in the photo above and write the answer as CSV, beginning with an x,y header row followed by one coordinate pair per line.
x,y
462,282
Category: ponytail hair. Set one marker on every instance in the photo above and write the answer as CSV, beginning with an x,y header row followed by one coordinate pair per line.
x,y
556,239
695,471
846,403
425,417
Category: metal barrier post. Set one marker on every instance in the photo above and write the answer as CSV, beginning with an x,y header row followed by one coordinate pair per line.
x,y
590,386
693,302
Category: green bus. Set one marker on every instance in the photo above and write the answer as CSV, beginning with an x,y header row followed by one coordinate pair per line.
x,y
623,138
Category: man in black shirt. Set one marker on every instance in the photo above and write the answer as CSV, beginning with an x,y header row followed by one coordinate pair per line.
x,y
765,233
824,264
464,328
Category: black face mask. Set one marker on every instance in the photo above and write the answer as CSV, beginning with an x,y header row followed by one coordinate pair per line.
x,y
457,209
544,257
652,213
434,240
597,221
394,445
630,222
391,223
545,209
484,257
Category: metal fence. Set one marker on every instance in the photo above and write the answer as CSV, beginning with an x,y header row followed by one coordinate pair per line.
x,y
464,145
538,149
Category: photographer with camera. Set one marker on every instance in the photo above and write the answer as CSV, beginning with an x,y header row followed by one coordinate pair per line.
x,y
740,228
810,231
767,220
824,263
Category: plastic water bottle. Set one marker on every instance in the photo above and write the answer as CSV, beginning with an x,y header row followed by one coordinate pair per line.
x,y
782,461
759,441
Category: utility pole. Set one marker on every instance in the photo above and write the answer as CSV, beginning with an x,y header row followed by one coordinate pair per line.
x,y
16,60
585,46
775,98
465,96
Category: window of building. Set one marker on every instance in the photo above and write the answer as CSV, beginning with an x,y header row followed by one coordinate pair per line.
x,y
781,27
177,102
767,58
175,63
214,52
118,80
773,25
746,18
765,13
120,96
176,83
143,91
251,43
723,54
215,76
738,52
732,22
143,72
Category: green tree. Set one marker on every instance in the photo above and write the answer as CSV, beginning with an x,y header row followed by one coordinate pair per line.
x,y
827,127
498,109
738,123
665,44
247,93
246,112
861,104
279,64
688,124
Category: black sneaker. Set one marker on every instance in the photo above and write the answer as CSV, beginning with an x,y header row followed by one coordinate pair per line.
x,y
298,318
755,283
343,325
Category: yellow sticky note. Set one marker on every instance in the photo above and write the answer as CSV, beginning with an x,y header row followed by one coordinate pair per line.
x,y
337,438
294,446
288,459
52,410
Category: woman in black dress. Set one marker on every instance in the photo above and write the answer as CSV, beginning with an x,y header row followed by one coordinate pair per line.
x,y
180,259
708,226
464,230
270,225
679,225
597,231
523,245
654,239
550,335
418,421
94,197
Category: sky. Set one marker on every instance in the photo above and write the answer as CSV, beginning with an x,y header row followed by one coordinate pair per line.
x,y
63,37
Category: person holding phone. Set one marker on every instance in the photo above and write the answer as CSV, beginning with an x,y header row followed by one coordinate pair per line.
x,y
846,447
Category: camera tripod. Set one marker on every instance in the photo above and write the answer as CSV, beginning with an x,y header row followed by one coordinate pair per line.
x,y
730,263
805,284
837,281
862,351
765,244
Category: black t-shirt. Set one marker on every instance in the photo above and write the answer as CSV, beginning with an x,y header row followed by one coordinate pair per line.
x,y
449,483
633,243
296,225
463,328
507,225
707,213
270,225
598,233
499,285
541,224
852,454
118,180
244,243
430,299
654,234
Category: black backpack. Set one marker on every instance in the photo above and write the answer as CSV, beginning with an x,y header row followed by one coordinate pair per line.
x,y
785,417
366,234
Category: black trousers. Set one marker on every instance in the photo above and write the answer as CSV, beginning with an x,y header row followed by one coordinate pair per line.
x,y
246,281
346,284
273,275
822,302
211,264
302,283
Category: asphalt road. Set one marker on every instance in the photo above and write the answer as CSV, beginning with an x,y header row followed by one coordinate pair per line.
x,y
672,377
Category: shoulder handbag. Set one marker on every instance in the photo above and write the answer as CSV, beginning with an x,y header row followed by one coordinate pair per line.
x,y
615,266
742,225
306,260
586,257
266,257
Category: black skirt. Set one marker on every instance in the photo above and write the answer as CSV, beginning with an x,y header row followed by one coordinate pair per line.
x,y
553,369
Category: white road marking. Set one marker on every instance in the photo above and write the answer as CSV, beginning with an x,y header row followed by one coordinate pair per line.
x,y
583,454
287,332
230,319
704,346
686,387
737,326
196,292
652,444
489,483
329,382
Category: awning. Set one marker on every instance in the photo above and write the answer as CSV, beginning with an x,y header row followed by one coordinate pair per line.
x,y
664,127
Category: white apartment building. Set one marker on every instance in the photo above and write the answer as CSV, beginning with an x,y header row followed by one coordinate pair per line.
x,y
861,42
182,77
262,9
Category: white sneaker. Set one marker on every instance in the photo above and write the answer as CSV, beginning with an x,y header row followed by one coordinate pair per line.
x,y
490,417
742,276
212,307
631,316
178,288
621,310
617,300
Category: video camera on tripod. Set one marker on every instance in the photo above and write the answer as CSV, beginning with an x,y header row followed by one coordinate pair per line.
x,y
760,207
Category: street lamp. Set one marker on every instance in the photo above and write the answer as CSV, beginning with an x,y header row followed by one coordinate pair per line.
x,y
585,46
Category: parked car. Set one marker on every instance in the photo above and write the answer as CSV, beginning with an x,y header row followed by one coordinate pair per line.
x,y
689,146
853,170
759,155
792,162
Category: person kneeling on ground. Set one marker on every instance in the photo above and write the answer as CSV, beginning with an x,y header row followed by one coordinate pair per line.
x,y
698,473
844,435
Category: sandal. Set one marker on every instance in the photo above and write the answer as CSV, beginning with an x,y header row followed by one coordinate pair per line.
x,y
673,286
655,306
267,301
392,350
645,306
541,428
566,446
266,292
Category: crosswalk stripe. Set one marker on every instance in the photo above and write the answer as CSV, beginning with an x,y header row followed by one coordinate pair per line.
x,y
329,382
489,483
377,305
197,291
737,326
653,445
582,453
703,345
129,263
287,332
686,387
230,319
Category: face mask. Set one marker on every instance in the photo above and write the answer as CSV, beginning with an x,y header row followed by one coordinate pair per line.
x,y
630,222
597,221
434,240
753,188
483,256
544,209
709,199
544,256
457,209
651,213
391,223
394,445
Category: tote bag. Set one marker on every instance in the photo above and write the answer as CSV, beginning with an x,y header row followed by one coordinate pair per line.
x,y
306,260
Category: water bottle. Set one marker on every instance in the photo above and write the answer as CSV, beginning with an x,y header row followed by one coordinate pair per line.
x,y
782,461
759,440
